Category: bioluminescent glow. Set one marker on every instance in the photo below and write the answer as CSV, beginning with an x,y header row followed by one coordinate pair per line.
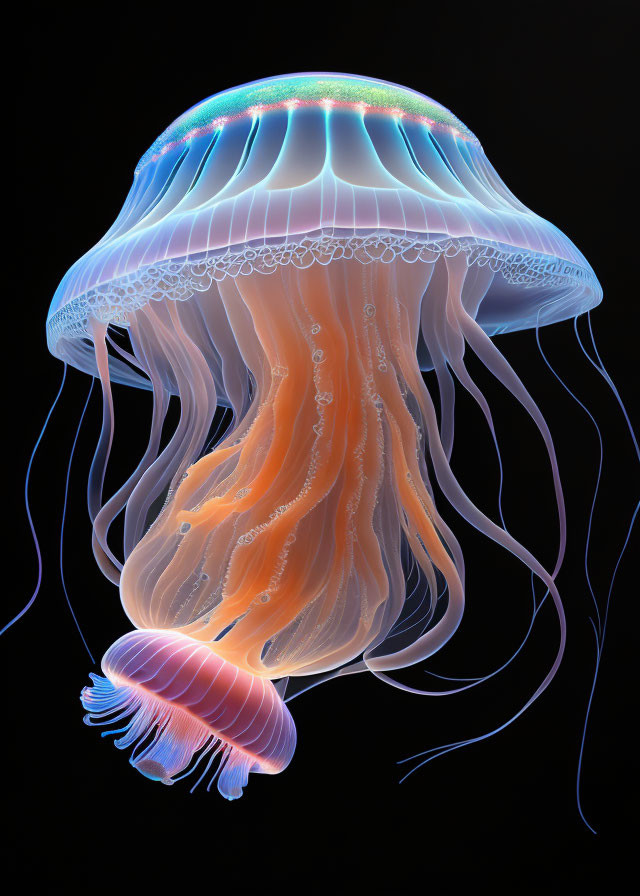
x,y
298,250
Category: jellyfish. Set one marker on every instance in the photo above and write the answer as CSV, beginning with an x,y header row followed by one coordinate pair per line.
x,y
298,251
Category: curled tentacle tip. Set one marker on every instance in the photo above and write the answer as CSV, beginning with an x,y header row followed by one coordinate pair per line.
x,y
155,771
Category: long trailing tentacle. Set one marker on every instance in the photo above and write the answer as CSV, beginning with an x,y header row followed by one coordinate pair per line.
x,y
599,366
599,624
457,271
474,336
64,517
495,362
27,504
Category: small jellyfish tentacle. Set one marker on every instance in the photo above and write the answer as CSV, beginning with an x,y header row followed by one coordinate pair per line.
x,y
214,746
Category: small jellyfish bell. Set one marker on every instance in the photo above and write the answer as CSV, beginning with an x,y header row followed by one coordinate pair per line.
x,y
196,703
297,250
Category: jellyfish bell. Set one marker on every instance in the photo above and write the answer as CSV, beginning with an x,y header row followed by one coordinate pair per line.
x,y
298,249
269,174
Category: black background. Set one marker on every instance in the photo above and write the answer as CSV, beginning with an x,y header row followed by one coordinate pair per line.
x,y
542,87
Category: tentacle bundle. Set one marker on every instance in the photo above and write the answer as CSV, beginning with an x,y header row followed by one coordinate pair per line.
x,y
181,700
282,547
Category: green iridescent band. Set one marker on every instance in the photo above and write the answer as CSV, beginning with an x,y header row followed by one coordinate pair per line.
x,y
304,88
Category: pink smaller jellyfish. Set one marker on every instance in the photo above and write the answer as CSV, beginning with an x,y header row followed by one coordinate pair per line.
x,y
195,702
